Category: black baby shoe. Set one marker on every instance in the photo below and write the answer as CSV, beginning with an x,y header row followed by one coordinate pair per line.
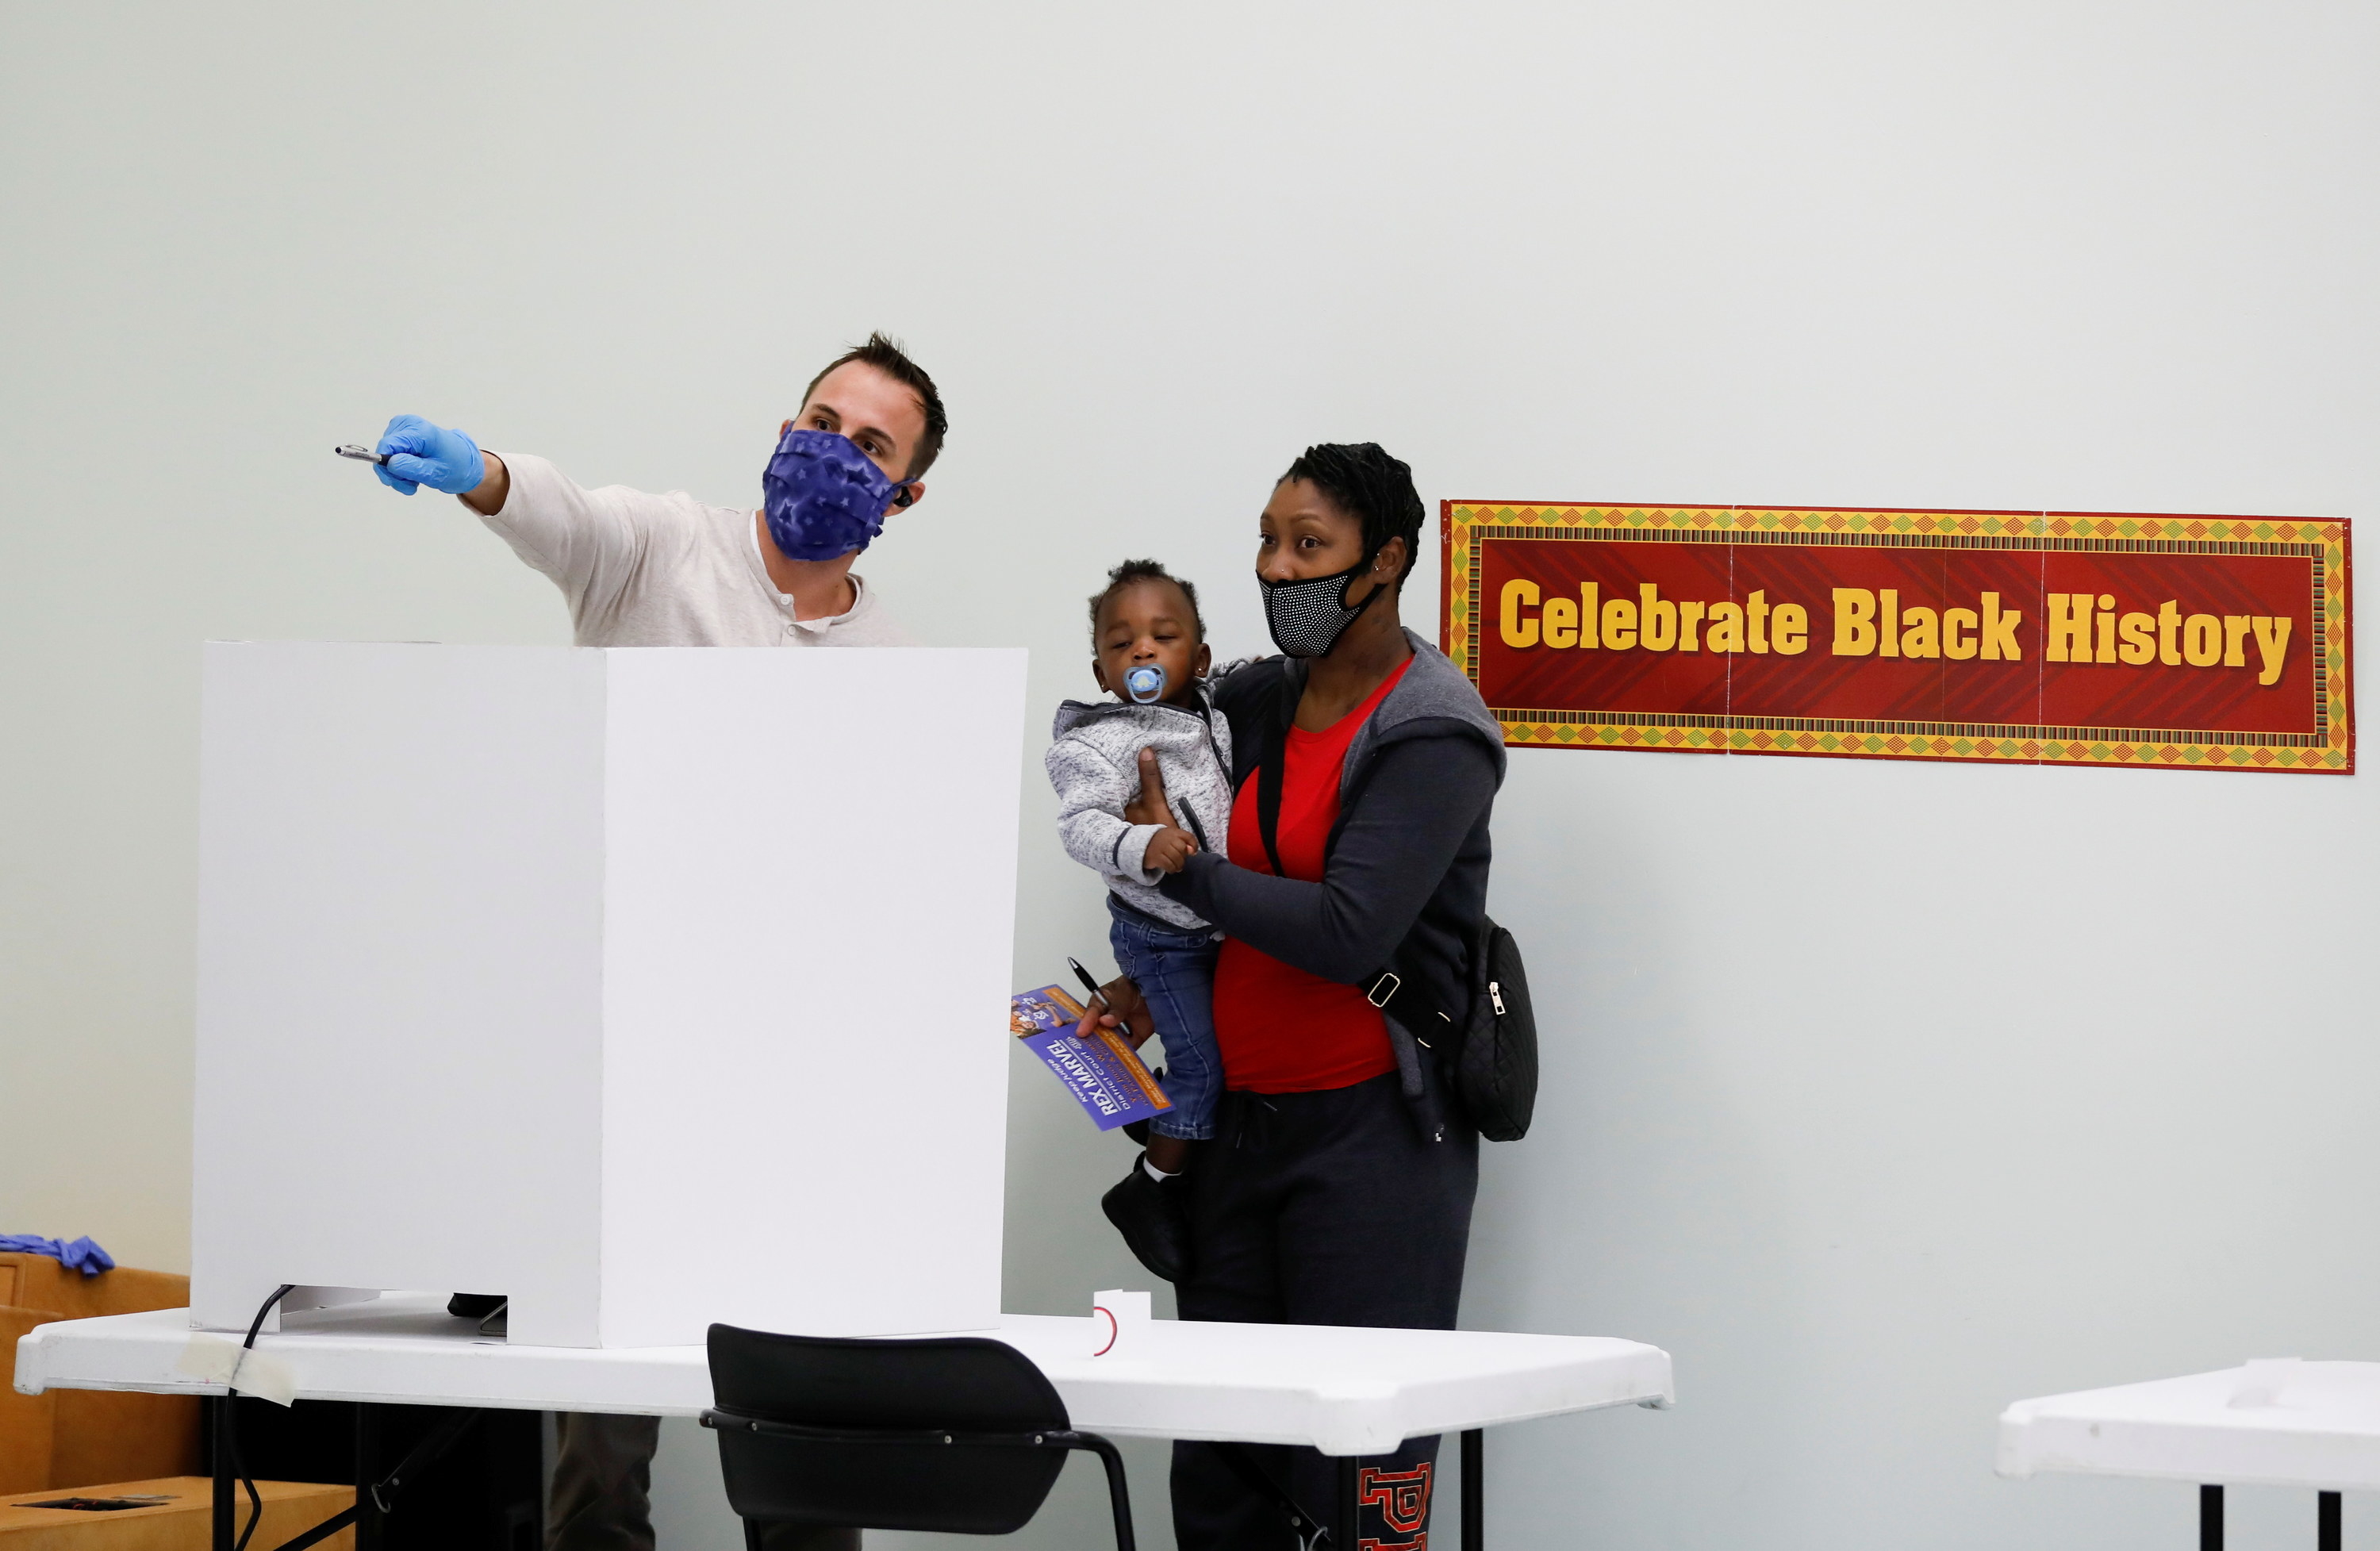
x,y
1155,1226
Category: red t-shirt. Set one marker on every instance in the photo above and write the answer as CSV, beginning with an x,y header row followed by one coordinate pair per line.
x,y
1279,1029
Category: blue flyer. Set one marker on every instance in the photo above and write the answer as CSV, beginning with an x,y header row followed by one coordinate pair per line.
x,y
1106,1075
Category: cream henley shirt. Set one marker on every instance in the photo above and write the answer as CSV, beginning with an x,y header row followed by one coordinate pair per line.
x,y
642,570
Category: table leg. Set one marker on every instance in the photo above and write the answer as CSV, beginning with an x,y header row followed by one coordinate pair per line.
x,y
369,1470
1474,1491
223,1535
1344,1510
2210,1518
2326,1522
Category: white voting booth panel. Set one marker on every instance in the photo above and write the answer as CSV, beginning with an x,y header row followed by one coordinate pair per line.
x,y
644,987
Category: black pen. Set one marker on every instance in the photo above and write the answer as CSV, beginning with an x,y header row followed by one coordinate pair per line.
x,y
1085,976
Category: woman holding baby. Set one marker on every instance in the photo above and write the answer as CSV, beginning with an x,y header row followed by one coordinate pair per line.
x,y
1338,1186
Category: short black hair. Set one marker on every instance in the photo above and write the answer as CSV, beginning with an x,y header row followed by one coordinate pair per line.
x,y
1132,571
886,355
1364,481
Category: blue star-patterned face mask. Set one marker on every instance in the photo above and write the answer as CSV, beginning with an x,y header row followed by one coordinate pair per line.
x,y
823,497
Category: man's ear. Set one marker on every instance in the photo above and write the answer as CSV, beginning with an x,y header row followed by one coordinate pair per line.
x,y
1100,675
908,496
782,427
1394,550
1204,660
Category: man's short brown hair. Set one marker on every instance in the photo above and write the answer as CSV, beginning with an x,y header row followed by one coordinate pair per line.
x,y
887,356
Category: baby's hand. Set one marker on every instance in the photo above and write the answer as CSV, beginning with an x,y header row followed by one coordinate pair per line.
x,y
1168,849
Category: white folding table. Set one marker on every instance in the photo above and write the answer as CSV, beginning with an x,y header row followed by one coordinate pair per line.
x,y
2315,1424
1345,1391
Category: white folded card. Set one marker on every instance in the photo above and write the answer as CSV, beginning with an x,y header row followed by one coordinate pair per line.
x,y
1119,1323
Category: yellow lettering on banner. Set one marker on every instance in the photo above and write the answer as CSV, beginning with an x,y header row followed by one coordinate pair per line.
x,y
1689,616
2235,633
2168,627
1589,637
1790,629
1756,614
1619,623
1955,646
1726,627
2201,640
1854,622
2069,627
1519,593
1921,633
1659,630
1560,622
1888,629
2107,627
2140,639
2272,645
1999,631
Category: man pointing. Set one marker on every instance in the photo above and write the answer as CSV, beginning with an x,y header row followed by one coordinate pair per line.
x,y
642,570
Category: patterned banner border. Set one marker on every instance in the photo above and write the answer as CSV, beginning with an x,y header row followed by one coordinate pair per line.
x,y
1465,524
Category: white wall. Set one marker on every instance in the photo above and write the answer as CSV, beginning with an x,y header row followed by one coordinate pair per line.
x,y
1881,1095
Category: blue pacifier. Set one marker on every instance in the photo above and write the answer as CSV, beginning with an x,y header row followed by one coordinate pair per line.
x,y
1145,684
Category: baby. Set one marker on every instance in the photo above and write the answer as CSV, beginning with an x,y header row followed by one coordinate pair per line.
x,y
1151,655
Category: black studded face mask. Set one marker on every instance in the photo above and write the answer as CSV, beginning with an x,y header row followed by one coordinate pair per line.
x,y
1307,617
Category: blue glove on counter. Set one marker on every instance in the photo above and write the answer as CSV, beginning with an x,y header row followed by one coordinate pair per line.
x,y
420,454
80,1256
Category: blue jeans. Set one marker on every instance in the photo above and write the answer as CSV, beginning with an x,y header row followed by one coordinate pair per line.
x,y
1174,968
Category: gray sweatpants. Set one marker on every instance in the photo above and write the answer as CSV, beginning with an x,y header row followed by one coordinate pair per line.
x,y
602,1491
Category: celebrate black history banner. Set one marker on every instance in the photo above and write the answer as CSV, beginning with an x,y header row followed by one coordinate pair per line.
x,y
2062,637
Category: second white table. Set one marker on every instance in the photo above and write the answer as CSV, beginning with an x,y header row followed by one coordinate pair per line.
x,y
2311,1425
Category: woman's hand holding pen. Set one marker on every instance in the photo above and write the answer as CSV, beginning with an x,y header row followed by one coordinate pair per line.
x,y
1118,1006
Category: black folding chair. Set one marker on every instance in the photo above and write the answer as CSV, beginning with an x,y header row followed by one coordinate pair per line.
x,y
955,1434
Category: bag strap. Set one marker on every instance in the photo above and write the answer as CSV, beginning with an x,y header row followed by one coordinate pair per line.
x,y
1396,987
1272,756
1409,995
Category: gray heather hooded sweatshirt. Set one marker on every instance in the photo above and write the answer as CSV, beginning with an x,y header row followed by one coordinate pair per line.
x,y
1094,763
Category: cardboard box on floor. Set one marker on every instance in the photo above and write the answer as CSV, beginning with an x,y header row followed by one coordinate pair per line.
x,y
81,1438
184,1523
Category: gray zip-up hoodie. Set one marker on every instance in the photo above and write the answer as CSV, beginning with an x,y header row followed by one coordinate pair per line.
x,y
1094,763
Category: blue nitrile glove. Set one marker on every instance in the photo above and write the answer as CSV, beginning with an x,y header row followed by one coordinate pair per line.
x,y
420,454
80,1256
